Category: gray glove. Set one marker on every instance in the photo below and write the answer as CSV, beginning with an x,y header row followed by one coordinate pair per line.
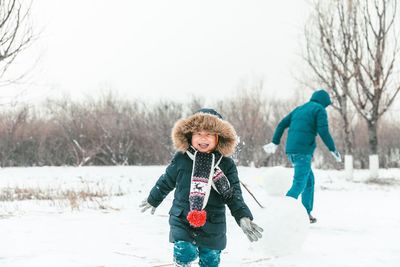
x,y
252,230
146,205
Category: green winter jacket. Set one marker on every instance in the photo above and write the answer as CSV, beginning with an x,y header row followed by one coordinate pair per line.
x,y
178,176
304,123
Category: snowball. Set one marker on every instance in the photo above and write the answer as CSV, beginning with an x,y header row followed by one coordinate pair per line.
x,y
285,223
277,180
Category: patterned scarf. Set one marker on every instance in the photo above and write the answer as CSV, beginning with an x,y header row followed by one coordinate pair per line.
x,y
205,173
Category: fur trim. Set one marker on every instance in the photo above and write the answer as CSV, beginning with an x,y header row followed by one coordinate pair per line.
x,y
183,128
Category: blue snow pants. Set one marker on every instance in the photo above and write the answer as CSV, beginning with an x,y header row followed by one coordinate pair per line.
x,y
303,180
185,253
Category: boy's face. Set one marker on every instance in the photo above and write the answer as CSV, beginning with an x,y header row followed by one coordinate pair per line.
x,y
203,141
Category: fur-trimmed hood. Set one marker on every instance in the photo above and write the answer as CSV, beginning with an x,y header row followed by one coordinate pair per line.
x,y
207,121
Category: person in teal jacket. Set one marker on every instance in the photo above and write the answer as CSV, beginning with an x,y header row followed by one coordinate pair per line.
x,y
305,122
205,179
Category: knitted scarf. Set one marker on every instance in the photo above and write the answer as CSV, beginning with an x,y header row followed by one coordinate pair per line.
x,y
205,173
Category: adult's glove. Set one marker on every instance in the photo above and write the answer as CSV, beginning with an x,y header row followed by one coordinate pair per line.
x,y
337,156
252,230
270,148
146,205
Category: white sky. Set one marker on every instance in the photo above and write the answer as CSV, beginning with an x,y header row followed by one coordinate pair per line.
x,y
162,48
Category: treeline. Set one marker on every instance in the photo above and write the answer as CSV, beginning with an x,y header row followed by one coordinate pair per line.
x,y
113,131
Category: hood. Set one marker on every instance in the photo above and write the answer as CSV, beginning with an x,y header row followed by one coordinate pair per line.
x,y
322,97
207,120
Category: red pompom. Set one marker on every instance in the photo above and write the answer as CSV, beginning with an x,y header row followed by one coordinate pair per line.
x,y
197,218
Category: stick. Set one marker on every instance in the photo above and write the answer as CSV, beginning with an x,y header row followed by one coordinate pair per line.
x,y
248,190
258,260
128,254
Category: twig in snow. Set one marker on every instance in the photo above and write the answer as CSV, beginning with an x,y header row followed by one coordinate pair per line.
x,y
248,190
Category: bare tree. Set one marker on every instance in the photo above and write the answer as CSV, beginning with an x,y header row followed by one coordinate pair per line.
x,y
12,127
113,141
16,33
194,104
113,131
329,38
249,112
158,123
388,132
375,54
73,119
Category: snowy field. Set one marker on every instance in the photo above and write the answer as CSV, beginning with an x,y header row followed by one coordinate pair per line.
x,y
89,216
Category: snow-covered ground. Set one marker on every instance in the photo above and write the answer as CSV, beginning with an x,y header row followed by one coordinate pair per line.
x,y
358,222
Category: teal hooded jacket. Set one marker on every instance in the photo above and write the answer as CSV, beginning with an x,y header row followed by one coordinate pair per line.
x,y
304,123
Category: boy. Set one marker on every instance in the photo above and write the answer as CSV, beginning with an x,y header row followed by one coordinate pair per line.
x,y
304,123
205,178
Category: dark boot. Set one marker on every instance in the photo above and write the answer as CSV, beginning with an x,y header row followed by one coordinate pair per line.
x,y
312,219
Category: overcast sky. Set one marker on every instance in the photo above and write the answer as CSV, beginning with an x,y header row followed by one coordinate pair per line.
x,y
169,49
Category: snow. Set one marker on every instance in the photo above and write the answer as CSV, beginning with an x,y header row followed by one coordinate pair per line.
x,y
358,222
287,223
